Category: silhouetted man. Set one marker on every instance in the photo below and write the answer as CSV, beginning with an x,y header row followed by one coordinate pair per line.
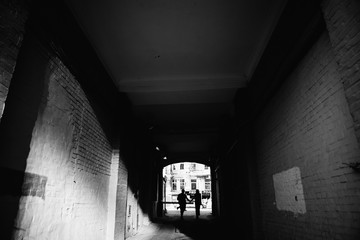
x,y
182,202
197,198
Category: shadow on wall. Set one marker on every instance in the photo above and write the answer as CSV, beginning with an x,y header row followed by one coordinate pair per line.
x,y
11,185
24,103
139,161
16,132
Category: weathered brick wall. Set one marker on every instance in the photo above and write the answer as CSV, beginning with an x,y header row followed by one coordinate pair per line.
x,y
306,134
72,159
343,22
12,21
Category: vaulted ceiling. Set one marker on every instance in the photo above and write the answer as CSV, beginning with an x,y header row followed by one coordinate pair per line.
x,y
180,62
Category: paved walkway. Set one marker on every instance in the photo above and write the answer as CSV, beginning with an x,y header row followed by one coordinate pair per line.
x,y
157,231
170,227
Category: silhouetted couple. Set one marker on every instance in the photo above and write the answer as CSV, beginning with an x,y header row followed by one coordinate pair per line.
x,y
182,198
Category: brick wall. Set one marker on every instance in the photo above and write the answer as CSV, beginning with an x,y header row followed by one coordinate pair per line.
x,y
343,22
71,158
307,126
13,17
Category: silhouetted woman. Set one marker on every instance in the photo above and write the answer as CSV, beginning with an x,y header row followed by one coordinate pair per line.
x,y
197,198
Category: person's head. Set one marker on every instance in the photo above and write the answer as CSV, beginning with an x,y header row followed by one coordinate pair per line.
x,y
197,191
183,190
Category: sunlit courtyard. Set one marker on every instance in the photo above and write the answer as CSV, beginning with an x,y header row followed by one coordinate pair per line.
x,y
191,177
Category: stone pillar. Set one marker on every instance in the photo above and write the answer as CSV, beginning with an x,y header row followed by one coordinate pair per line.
x,y
111,218
121,200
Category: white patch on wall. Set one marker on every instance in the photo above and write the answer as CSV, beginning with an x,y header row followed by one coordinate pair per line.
x,y
289,193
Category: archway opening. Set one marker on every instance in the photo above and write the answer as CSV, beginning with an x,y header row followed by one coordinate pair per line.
x,y
190,176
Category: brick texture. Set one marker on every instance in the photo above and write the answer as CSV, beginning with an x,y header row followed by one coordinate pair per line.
x,y
70,149
308,125
12,21
343,22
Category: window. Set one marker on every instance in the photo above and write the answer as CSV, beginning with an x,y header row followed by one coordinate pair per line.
x,y
173,185
193,184
206,167
207,184
174,168
181,166
182,183
193,166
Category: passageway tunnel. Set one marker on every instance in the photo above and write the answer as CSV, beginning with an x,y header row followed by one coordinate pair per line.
x,y
97,97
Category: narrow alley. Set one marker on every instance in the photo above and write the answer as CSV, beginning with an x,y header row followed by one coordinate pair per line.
x,y
116,116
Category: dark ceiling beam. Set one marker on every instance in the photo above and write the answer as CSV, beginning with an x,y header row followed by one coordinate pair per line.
x,y
182,84
191,132
189,157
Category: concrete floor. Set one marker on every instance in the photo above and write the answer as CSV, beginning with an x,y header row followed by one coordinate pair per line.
x,y
170,227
